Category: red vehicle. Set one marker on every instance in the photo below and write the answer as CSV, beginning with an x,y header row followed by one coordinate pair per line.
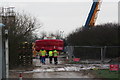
x,y
49,44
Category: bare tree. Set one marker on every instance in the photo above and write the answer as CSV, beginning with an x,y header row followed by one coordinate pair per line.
x,y
43,34
57,35
20,27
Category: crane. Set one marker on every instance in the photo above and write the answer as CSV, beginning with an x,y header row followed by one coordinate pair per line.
x,y
92,16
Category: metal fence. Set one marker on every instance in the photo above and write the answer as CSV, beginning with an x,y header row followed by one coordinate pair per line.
x,y
93,52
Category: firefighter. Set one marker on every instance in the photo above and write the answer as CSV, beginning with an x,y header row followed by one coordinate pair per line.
x,y
50,56
34,53
43,55
40,55
55,55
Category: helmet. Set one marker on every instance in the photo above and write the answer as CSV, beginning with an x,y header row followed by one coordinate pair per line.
x,y
42,48
55,50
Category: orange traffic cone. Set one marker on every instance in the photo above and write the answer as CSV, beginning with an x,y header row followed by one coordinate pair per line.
x,y
20,76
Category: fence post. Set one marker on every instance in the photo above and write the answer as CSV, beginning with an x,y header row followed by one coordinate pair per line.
x,y
104,52
102,55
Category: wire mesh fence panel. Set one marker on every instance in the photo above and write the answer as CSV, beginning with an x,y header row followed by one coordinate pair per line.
x,y
69,50
111,51
87,52
101,53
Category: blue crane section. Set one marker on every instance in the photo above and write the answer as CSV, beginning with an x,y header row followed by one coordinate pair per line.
x,y
92,14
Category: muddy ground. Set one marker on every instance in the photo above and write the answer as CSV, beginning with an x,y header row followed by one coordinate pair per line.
x,y
62,70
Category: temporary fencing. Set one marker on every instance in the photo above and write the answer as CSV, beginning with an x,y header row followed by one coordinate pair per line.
x,y
93,52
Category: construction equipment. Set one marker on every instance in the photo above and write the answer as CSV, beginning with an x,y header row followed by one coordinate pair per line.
x,y
92,16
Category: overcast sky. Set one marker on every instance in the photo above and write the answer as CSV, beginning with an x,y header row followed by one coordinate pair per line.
x,y
64,15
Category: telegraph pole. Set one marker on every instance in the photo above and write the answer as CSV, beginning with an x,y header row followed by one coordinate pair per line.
x,y
7,53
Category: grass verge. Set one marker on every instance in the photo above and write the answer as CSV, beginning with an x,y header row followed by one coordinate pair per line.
x,y
106,73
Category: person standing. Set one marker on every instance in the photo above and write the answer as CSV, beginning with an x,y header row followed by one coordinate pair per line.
x,y
55,55
40,55
50,56
43,55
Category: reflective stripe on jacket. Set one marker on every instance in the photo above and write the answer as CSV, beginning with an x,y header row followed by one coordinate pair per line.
x,y
42,52
56,53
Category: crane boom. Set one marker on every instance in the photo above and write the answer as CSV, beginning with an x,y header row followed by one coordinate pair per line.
x,y
93,13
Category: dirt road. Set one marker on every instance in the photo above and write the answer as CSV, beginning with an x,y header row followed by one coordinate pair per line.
x,y
59,75
61,70
54,71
